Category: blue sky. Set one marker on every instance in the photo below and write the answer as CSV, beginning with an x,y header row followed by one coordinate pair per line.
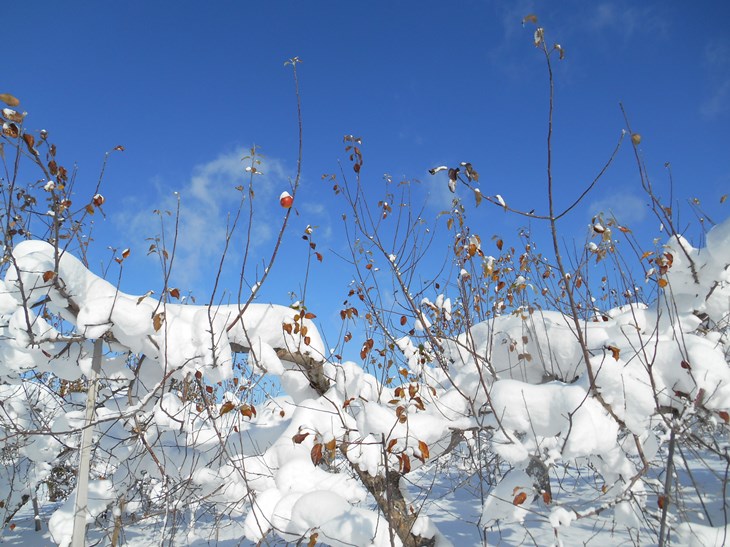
x,y
187,87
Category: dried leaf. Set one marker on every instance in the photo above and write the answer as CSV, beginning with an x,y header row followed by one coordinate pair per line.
x,y
391,444
248,411
157,320
615,352
723,198
316,453
299,437
725,416
331,445
500,244
226,407
405,463
685,365
175,293
119,148
520,498
636,139
662,282
10,130
529,18
423,447
546,498
30,142
47,276
8,99
312,540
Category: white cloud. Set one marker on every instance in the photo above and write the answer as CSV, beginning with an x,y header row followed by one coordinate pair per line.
x,y
627,208
716,61
208,204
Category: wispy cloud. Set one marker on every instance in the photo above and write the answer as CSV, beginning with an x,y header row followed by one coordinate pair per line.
x,y
626,207
716,62
208,202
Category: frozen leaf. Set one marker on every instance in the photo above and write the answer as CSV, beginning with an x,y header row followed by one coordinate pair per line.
x,y
157,320
501,201
391,444
546,498
47,276
437,169
8,99
299,437
12,115
175,293
316,453
227,407
366,348
685,365
520,498
405,463
539,36
125,253
423,447
248,411
98,200
401,414
10,130
615,352
477,196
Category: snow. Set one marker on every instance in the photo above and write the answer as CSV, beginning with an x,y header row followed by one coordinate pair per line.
x,y
176,440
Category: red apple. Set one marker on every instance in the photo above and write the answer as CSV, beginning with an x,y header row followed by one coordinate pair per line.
x,y
286,200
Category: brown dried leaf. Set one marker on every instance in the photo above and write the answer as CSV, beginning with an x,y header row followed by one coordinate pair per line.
x,y
175,293
615,352
8,99
405,463
316,453
47,276
226,407
423,447
299,437
331,445
30,142
520,498
391,444
157,320
636,139
530,18
312,540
